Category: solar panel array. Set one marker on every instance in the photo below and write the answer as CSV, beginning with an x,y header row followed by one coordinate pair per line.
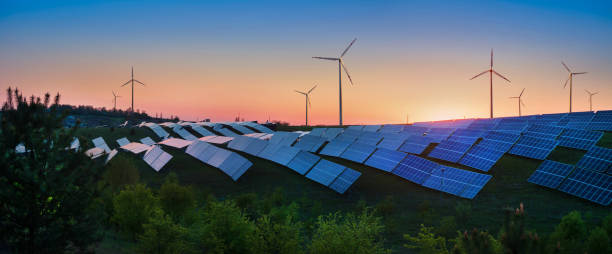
x,y
481,157
439,134
123,141
499,141
158,130
543,131
358,152
577,120
589,185
325,172
183,133
597,159
535,148
416,144
284,138
370,138
414,130
227,132
176,142
100,143
602,121
391,128
147,141
310,143
511,125
335,148
385,159
156,158
303,162
201,130
392,141
228,162
450,150
579,139
468,136
257,127
240,128
550,174
136,148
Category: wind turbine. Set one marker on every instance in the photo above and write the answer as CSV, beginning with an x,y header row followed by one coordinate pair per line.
x,y
307,94
491,72
115,96
132,80
570,79
340,67
520,101
591,99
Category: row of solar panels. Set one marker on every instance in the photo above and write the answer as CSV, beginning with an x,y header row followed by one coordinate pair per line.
x,y
220,128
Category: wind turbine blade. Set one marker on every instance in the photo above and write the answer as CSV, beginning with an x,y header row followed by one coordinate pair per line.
x,y
299,92
522,103
308,99
567,68
578,73
587,91
522,93
347,48
114,93
347,73
491,58
127,82
501,76
326,58
312,89
567,80
595,93
139,82
480,74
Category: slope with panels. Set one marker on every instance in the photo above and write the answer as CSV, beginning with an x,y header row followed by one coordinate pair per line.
x,y
345,180
543,131
136,148
335,148
499,141
416,144
392,141
589,185
602,121
450,151
303,162
535,148
597,159
550,174
467,136
310,143
579,139
123,141
385,159
439,134
481,157
100,143
510,125
176,143
147,141
183,133
458,182
156,158
358,152
414,130
370,138
415,169
158,130
577,120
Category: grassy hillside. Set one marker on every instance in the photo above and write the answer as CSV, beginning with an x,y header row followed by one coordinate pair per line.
x,y
406,204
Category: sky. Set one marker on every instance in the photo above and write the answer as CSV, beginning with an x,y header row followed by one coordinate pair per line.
x,y
412,60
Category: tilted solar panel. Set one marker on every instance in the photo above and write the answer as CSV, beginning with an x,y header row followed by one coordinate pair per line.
x,y
235,166
450,150
589,185
370,138
325,172
456,181
535,148
284,138
335,148
111,155
303,162
147,141
257,127
392,141
136,148
483,124
255,147
240,128
157,158
240,143
414,130
385,159
200,130
176,142
391,128
318,132
355,127
269,151
579,139
123,141
439,134
331,133
550,174
158,130
344,180
284,155
100,143
349,135
466,135
543,131
309,143
415,169
227,132
416,144
481,157
371,128
358,152
597,159
183,133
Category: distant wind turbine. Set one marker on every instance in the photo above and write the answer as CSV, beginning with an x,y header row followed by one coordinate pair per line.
x,y
307,94
132,80
115,96
591,99
491,72
520,101
570,79
340,67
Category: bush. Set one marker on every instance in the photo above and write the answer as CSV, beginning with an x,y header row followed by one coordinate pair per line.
x,y
463,210
348,234
570,234
598,241
121,171
223,228
176,200
134,207
162,235
278,237
514,236
606,224
476,241
247,203
426,242
448,226
386,207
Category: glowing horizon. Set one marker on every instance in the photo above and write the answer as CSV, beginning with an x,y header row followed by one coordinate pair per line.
x,y
221,60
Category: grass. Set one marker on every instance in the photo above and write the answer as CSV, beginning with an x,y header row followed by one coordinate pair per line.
x,y
507,188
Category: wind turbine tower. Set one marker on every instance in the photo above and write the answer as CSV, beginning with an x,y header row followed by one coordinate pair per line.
x,y
340,67
491,72
591,99
132,80
570,79
520,100
115,96
307,94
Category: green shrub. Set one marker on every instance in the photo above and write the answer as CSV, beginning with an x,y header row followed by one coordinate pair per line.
x,y
247,202
161,235
447,227
386,207
599,241
570,234
463,210
277,237
134,206
121,171
514,236
426,242
606,224
476,241
176,200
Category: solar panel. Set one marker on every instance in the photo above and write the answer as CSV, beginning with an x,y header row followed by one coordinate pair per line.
x,y
310,143
284,155
439,134
136,148
147,141
200,130
331,133
456,181
158,130
75,144
111,155
235,166
602,121
218,157
589,185
468,136
483,124
255,147
201,150
385,159
94,153
100,143
240,143
415,169
183,133
579,139
257,127
325,172
226,132
543,131
499,141
217,139
416,144
349,135
392,141
303,162
318,132
597,159
355,127
391,128
344,180
481,157
450,150
335,148
414,130
284,138
371,128
157,158
535,148
358,152
370,138
123,141
550,174
269,151
176,142
240,128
